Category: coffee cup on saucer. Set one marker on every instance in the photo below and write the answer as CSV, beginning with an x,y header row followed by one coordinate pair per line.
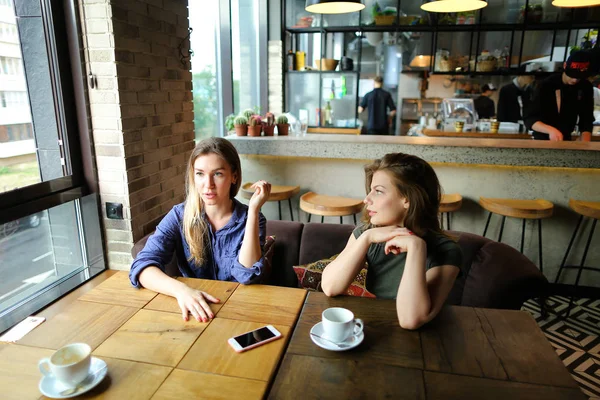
x,y
339,324
70,364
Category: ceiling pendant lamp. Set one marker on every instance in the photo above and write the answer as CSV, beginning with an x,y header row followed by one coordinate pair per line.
x,y
333,6
446,6
576,3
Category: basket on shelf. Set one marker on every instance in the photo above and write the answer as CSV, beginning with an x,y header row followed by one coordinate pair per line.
x,y
447,65
385,19
484,66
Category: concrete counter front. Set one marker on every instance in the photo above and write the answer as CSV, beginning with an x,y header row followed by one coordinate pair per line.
x,y
555,171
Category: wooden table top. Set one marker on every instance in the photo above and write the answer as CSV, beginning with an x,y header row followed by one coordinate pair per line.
x,y
150,351
465,353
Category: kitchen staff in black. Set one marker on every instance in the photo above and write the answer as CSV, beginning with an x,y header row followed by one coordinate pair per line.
x,y
561,99
377,102
485,106
514,98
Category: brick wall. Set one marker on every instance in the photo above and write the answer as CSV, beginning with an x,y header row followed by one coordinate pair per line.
x,y
141,112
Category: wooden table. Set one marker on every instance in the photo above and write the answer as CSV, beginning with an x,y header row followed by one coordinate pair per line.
x,y
150,351
465,353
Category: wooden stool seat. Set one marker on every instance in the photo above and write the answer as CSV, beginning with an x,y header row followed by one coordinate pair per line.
x,y
329,206
450,202
526,209
278,192
589,209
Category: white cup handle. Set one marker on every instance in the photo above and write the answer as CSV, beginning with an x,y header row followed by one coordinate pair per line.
x,y
358,327
44,366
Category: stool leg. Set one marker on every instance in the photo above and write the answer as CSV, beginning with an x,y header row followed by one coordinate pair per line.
x,y
442,221
279,206
487,224
309,214
354,215
448,220
322,218
501,229
291,212
523,235
562,265
540,245
341,220
585,251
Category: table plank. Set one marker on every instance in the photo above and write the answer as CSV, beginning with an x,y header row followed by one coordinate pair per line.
x,y
127,380
192,385
117,290
526,354
211,352
19,373
264,304
385,342
83,321
323,378
441,386
222,290
152,336
455,342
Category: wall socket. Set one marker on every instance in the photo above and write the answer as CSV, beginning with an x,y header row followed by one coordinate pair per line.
x,y
114,210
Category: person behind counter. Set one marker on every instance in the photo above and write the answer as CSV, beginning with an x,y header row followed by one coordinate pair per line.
x,y
514,98
484,106
562,98
377,102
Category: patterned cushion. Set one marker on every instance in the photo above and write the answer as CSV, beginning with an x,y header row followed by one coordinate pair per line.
x,y
268,250
309,277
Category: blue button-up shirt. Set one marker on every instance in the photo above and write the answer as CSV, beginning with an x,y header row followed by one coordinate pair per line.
x,y
222,262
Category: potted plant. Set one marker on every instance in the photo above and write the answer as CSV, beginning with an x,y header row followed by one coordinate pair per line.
x,y
248,113
269,124
255,127
241,125
537,13
230,122
282,125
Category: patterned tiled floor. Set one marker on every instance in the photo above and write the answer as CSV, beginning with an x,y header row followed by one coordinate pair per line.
x,y
576,340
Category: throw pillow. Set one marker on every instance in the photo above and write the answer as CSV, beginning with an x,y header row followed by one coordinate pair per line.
x,y
268,250
309,277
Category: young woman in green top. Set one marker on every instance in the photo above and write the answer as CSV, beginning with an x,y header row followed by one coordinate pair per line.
x,y
409,257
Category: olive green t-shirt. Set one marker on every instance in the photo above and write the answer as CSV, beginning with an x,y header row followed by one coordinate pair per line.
x,y
385,271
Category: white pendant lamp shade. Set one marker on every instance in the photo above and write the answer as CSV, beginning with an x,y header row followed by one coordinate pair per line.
x,y
445,6
576,3
333,6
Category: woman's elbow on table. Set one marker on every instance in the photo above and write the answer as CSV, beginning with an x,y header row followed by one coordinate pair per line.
x,y
411,323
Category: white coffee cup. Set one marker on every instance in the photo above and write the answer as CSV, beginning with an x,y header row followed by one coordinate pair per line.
x,y
339,324
70,364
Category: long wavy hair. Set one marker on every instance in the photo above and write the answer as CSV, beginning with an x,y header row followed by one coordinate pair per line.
x,y
195,228
415,181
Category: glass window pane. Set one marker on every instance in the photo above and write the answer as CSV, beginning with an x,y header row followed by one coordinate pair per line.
x,y
339,90
298,17
303,93
502,12
204,17
29,132
36,251
244,54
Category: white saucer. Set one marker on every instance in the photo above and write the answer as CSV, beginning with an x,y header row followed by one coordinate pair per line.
x,y
52,388
352,341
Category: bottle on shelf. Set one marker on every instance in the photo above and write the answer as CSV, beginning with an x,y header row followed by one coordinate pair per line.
x,y
504,61
328,115
291,60
332,94
344,90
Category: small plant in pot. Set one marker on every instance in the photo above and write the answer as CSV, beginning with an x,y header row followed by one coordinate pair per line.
x,y
255,127
282,125
230,122
241,125
248,113
269,124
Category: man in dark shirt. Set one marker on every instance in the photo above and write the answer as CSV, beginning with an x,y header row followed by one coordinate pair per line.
x,y
377,102
485,106
562,98
515,98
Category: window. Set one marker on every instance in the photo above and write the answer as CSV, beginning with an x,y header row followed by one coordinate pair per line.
x,y
49,226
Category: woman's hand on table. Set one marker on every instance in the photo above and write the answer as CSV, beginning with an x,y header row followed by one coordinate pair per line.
x,y
262,190
195,302
404,242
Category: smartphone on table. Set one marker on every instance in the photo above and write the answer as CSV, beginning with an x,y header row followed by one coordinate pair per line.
x,y
255,338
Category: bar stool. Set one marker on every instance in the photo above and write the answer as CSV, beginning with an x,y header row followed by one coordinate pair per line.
x,y
448,204
590,209
329,206
515,208
278,193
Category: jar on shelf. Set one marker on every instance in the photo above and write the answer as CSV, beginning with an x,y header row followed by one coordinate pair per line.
x,y
486,62
443,61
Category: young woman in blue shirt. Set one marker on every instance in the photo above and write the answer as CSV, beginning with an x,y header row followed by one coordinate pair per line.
x,y
212,235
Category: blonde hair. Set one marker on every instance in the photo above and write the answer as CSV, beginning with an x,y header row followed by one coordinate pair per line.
x,y
195,228
417,182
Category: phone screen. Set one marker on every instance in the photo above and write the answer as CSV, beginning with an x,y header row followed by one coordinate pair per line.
x,y
250,338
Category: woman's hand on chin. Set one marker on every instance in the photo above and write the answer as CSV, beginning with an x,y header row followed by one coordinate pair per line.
x,y
404,242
